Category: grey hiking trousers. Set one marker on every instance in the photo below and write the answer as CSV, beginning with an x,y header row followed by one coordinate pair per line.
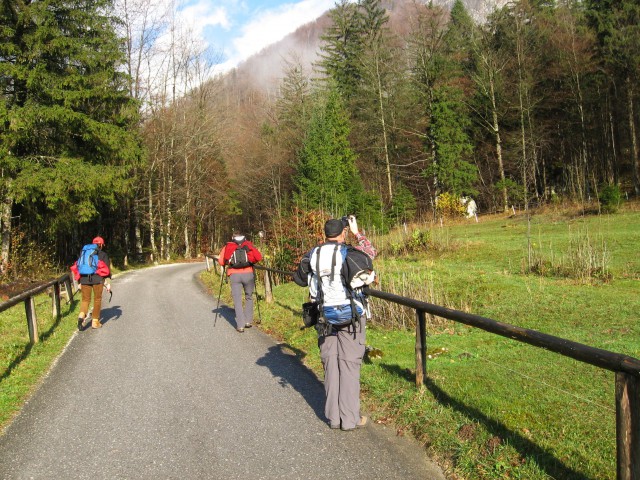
x,y
242,282
341,355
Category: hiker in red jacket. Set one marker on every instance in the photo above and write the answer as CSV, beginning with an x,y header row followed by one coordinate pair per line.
x,y
238,256
93,282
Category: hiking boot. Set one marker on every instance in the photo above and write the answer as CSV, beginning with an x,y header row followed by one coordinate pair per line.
x,y
248,325
80,323
334,427
95,323
360,424
240,330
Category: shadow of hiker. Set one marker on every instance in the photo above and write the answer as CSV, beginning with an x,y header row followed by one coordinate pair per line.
x,y
544,459
297,311
290,372
110,313
225,313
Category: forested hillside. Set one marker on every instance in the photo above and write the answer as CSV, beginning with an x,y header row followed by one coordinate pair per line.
x,y
107,130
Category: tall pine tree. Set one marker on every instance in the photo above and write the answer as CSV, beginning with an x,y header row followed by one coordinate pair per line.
x,y
327,177
342,48
66,140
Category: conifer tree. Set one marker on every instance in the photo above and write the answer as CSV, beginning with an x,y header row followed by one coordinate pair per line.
x,y
440,57
342,48
617,24
327,177
452,147
65,117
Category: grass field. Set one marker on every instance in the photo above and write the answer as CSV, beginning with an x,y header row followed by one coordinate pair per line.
x,y
494,408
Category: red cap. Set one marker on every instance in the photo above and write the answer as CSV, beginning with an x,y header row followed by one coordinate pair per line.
x,y
98,241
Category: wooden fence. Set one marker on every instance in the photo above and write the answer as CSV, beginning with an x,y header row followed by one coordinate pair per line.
x,y
625,368
62,285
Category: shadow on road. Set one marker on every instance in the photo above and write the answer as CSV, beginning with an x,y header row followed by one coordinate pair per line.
x,y
110,313
290,372
224,313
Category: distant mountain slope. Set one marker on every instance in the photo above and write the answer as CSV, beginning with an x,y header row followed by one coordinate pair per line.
x,y
264,70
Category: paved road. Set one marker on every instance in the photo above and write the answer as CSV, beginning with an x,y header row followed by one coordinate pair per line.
x,y
161,393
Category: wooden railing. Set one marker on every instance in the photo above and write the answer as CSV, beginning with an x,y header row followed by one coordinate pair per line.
x,y
626,368
59,285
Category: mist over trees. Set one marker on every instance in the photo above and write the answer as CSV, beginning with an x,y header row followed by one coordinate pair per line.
x,y
120,126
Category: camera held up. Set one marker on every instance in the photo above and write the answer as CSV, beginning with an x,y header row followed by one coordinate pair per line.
x,y
345,220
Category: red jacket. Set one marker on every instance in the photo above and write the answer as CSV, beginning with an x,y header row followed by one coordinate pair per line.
x,y
253,255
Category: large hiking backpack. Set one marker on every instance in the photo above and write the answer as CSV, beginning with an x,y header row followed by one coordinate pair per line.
x,y
240,258
88,261
334,296
359,269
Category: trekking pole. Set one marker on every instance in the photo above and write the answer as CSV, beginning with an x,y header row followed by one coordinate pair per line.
x,y
215,319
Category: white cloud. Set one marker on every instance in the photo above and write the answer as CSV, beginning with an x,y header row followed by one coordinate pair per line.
x,y
200,15
267,27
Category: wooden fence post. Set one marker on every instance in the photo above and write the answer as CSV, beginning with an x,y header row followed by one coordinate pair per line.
x,y
421,348
55,304
628,426
268,294
69,290
32,321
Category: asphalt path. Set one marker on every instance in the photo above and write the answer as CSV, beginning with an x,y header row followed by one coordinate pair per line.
x,y
160,392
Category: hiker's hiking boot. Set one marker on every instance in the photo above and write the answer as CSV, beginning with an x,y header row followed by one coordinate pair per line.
x,y
248,325
80,323
95,323
360,424
240,330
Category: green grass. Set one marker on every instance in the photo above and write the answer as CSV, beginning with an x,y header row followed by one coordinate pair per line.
x,y
23,365
495,408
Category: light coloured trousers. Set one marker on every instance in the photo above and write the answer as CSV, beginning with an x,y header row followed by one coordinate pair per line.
x,y
341,356
86,299
242,282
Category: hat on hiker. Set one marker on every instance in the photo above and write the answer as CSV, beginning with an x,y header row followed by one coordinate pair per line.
x,y
98,241
333,228
238,237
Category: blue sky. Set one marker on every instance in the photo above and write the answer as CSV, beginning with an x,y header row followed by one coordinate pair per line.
x,y
236,29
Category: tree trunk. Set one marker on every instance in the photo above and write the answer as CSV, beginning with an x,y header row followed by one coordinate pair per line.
x,y
613,158
384,132
167,241
521,94
5,230
137,233
187,206
152,227
496,132
634,141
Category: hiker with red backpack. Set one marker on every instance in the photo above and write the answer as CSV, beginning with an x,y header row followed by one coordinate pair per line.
x,y
93,271
238,256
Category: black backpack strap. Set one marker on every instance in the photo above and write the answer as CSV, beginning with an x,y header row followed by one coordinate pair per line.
x,y
333,262
323,327
319,295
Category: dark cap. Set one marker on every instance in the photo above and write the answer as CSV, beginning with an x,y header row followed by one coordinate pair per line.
x,y
333,228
